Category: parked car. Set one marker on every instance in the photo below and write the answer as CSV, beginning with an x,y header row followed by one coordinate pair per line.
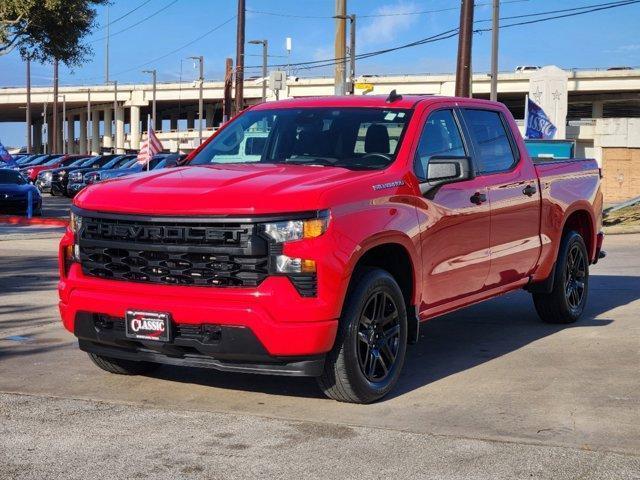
x,y
76,178
43,180
161,160
363,217
15,193
60,176
54,161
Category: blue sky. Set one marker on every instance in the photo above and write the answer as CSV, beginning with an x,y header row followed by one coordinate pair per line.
x,y
601,39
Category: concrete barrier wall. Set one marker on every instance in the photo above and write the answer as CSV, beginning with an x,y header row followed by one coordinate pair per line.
x,y
621,173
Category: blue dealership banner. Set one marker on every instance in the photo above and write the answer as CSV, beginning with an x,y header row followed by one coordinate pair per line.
x,y
5,156
538,124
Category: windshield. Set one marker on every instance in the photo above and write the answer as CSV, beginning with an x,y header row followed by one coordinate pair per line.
x,y
113,163
11,177
129,163
88,162
355,138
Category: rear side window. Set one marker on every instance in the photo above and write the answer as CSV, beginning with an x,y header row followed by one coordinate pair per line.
x,y
494,152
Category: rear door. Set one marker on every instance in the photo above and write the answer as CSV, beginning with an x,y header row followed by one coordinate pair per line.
x,y
454,218
512,185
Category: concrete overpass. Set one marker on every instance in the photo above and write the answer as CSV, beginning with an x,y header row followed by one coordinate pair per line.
x,y
591,94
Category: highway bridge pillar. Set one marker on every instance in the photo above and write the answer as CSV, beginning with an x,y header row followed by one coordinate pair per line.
x,y
208,114
191,119
173,125
71,144
83,133
95,132
120,130
107,139
37,136
135,127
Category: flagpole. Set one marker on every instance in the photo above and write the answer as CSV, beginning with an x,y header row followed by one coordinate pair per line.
x,y
526,114
148,141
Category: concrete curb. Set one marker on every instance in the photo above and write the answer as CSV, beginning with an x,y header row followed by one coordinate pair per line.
x,y
620,230
48,221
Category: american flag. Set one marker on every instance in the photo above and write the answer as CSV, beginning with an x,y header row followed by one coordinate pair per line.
x,y
150,147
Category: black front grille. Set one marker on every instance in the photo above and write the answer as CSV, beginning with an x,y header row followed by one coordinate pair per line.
x,y
174,252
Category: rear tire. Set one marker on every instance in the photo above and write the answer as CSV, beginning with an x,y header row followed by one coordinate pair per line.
x,y
370,346
123,367
566,301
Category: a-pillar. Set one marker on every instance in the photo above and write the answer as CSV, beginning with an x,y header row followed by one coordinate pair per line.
x,y
120,130
597,109
107,140
191,118
174,122
83,133
71,144
95,132
210,111
37,136
135,127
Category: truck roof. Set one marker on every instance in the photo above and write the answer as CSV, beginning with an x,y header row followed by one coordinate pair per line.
x,y
380,101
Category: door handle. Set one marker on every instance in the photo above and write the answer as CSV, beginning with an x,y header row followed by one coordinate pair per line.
x,y
478,198
529,190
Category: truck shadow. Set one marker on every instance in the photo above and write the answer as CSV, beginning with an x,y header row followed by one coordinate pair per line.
x,y
449,344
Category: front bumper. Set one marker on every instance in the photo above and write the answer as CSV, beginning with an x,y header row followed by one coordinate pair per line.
x,y
226,348
43,186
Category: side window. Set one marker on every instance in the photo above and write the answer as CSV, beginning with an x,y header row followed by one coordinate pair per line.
x,y
440,136
493,148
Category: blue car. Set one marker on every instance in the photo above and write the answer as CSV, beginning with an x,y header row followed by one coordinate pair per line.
x,y
14,194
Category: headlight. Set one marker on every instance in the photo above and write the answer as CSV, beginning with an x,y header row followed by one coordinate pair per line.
x,y
291,230
47,175
75,223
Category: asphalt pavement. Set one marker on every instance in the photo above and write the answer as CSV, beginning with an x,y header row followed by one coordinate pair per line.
x,y
488,392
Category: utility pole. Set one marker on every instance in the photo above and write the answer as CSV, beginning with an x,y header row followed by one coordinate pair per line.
x,y
265,54
240,57
153,104
340,46
227,104
200,105
89,133
28,110
495,35
64,117
46,149
114,129
352,53
463,68
106,51
56,147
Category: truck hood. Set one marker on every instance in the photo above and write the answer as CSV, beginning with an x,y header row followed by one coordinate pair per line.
x,y
218,190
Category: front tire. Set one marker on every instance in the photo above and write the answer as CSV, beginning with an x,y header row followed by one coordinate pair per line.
x,y
368,354
123,367
566,301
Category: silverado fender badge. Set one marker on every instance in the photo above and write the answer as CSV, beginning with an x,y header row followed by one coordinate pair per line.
x,y
382,186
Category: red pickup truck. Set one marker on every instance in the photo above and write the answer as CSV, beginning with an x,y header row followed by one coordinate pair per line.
x,y
312,236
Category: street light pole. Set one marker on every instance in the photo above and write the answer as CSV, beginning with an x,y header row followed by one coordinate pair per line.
x,y
64,127
495,35
153,107
352,53
88,120
265,55
200,102
56,147
28,111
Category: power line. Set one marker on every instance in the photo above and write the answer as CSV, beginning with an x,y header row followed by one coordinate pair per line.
x,y
454,31
208,32
137,23
124,15
372,15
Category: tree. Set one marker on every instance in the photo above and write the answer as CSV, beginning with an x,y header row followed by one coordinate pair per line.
x,y
44,30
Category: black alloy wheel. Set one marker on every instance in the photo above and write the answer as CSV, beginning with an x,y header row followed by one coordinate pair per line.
x,y
574,277
378,337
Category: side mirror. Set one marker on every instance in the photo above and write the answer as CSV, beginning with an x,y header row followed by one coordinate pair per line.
x,y
445,169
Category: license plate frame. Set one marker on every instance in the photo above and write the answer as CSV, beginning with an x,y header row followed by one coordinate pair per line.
x,y
147,325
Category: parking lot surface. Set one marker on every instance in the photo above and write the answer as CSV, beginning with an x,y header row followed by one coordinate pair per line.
x,y
488,392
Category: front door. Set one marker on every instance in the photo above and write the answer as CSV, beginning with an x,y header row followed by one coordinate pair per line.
x,y
454,219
